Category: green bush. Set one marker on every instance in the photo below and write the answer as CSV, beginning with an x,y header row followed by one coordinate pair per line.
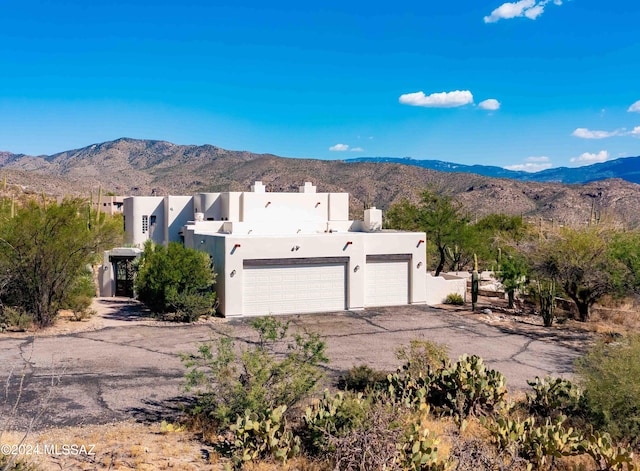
x,y
230,381
14,318
176,280
609,376
422,356
361,378
455,299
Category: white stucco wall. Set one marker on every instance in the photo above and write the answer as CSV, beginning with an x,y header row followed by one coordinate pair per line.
x,y
134,210
178,211
230,259
438,287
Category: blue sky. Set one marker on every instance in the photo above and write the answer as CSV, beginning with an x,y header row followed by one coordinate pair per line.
x,y
529,84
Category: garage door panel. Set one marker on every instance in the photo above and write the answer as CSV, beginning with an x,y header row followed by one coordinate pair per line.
x,y
290,289
387,283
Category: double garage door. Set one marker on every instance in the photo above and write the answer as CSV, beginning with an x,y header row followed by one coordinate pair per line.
x,y
294,286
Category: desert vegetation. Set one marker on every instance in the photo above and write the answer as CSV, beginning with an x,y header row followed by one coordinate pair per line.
x,y
583,263
46,253
260,405
175,281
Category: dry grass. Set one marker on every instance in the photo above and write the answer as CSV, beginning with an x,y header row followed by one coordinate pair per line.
x,y
121,446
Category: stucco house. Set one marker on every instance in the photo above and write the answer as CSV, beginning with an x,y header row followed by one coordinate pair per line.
x,y
280,253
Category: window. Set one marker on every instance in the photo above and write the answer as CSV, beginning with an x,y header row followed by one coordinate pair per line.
x,y
145,224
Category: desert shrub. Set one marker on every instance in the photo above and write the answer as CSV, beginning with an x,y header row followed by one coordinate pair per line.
x,y
455,299
230,380
333,417
14,318
371,445
475,454
609,376
176,280
422,356
362,378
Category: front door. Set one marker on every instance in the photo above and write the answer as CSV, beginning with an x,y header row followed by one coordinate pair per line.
x,y
124,276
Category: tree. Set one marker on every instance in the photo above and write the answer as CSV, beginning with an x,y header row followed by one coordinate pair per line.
x,y
176,279
512,274
583,262
609,376
45,249
437,215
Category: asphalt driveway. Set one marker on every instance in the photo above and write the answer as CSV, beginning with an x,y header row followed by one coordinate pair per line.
x,y
131,367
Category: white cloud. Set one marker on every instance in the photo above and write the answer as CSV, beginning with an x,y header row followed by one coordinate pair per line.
x,y
531,164
438,100
491,104
339,148
635,107
535,12
531,9
635,131
591,158
585,133
357,149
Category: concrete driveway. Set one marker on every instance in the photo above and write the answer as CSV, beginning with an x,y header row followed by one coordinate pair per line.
x,y
130,368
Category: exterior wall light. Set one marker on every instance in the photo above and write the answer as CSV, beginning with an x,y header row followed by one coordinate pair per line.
x,y
317,204
349,242
236,246
420,242
419,264
232,274
356,268
268,203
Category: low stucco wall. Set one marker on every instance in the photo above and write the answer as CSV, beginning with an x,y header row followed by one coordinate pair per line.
x,y
438,287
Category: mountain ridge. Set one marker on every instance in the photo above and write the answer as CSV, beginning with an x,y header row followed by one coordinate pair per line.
x,y
129,166
626,168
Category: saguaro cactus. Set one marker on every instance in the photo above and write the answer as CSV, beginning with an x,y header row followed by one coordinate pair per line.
x,y
475,283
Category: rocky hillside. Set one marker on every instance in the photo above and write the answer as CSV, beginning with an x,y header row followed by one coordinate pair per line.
x,y
141,167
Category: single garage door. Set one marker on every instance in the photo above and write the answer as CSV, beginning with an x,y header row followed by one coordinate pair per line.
x,y
387,280
292,286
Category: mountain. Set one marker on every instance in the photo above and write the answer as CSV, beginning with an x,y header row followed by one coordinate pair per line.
x,y
627,168
144,167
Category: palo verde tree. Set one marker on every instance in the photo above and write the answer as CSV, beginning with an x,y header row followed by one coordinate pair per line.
x,y
45,249
437,215
584,262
